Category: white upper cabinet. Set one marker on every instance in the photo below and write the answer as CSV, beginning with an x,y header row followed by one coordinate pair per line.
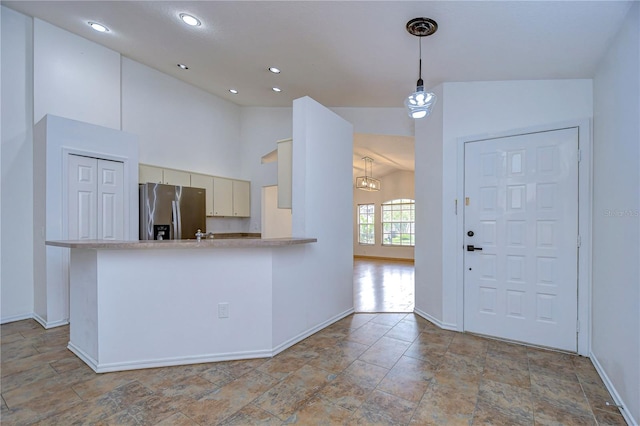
x,y
206,182
285,153
241,198
176,177
222,197
148,174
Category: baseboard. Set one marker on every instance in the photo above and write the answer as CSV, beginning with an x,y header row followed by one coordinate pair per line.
x,y
393,259
287,344
435,321
231,356
49,324
15,318
163,362
612,390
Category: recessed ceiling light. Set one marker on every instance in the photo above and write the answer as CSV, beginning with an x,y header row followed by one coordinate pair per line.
x,y
276,89
190,20
183,66
274,70
98,27
234,91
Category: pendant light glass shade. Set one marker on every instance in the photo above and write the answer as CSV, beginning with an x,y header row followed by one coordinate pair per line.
x,y
420,103
367,182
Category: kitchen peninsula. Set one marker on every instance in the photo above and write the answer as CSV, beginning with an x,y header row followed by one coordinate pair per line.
x,y
141,304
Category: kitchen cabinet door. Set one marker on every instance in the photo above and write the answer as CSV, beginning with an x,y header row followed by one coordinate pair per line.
x,y
206,182
149,174
222,197
241,198
176,177
285,163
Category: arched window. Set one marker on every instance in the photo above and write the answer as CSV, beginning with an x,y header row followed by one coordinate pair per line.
x,y
398,222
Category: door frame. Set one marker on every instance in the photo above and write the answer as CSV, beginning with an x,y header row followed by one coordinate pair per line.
x,y
585,185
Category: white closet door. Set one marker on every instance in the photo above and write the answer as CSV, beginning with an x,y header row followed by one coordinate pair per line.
x,y
82,198
110,189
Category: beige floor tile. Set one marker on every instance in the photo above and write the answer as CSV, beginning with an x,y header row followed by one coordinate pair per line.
x,y
405,330
100,384
385,352
282,365
366,375
25,378
369,333
408,379
345,392
177,419
468,345
148,411
241,367
507,370
415,373
287,396
383,408
252,415
512,401
459,371
442,405
388,319
551,415
563,394
609,418
338,358
319,411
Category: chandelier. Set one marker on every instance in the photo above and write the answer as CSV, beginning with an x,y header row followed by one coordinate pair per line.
x,y
367,182
420,103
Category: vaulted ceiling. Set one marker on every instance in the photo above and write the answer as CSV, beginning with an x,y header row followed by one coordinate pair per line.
x,y
345,53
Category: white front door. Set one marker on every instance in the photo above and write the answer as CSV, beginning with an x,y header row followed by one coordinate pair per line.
x,y
521,221
96,198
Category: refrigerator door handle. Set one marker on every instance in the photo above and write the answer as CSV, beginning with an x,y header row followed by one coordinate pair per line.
x,y
177,232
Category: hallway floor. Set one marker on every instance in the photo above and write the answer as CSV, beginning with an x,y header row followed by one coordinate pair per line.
x,y
383,369
383,285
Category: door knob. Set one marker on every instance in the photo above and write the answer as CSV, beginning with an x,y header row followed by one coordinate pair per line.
x,y
470,233
471,247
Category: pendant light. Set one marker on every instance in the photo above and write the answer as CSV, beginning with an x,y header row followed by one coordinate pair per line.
x,y
367,182
420,103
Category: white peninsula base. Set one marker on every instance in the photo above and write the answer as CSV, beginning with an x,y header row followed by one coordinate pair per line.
x,y
140,308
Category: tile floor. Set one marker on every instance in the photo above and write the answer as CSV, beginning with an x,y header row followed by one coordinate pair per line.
x,y
382,369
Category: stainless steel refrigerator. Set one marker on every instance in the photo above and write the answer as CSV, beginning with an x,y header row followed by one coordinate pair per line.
x,y
170,212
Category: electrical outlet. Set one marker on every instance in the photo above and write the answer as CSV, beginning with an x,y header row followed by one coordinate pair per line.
x,y
223,310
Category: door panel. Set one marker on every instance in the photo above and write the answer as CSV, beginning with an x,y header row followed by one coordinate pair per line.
x,y
82,197
522,206
110,200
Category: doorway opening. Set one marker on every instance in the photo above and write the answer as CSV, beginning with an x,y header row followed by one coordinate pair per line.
x,y
383,285
384,230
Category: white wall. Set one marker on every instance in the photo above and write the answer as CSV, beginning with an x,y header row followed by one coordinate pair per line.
x,y
260,129
16,280
399,184
74,78
54,139
178,125
473,109
322,202
616,225
276,223
428,255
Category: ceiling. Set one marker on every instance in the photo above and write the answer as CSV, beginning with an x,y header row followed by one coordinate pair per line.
x,y
346,53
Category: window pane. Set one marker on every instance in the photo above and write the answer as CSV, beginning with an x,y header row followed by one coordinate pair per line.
x,y
398,217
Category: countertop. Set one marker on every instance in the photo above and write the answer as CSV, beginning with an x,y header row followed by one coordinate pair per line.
x,y
181,244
